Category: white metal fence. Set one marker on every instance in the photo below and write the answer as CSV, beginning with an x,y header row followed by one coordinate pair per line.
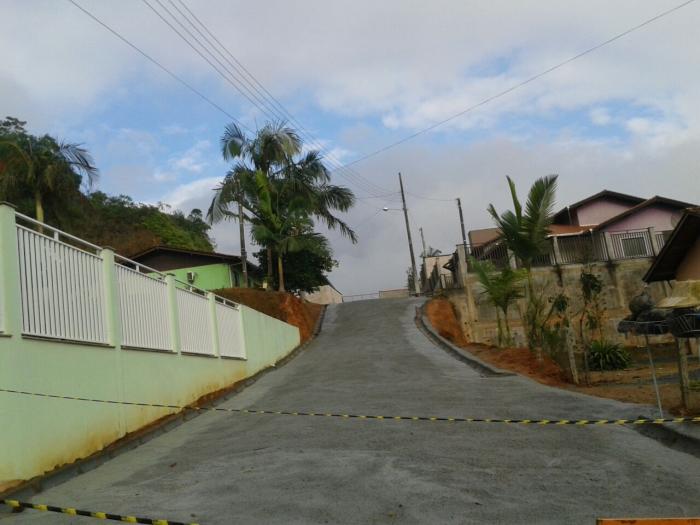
x,y
144,310
62,289
230,331
631,244
66,285
195,323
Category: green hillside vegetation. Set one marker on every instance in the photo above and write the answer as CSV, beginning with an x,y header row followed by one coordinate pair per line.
x,y
49,179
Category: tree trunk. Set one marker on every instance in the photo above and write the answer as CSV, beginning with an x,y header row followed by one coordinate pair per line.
x,y
270,276
39,210
241,231
280,271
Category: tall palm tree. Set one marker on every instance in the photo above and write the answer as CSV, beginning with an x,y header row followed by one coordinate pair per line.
x,y
501,288
525,233
43,165
279,190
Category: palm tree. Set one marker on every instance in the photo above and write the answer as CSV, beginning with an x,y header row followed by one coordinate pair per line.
x,y
44,166
279,190
525,233
502,289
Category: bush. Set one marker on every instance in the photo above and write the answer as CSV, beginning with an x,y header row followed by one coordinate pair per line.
x,y
607,356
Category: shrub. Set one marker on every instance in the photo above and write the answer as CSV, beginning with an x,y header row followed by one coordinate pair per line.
x,y
607,356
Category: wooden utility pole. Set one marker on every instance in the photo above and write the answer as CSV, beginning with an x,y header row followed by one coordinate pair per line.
x,y
241,218
410,242
461,222
424,270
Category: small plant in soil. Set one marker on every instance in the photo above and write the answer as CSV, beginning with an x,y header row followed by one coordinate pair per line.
x,y
603,355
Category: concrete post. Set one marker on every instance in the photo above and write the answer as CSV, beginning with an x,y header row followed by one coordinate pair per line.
x,y
464,279
511,260
10,294
609,246
112,306
176,345
462,267
684,380
557,252
214,324
654,242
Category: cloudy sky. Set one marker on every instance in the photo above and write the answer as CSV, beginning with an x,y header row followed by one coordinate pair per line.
x,y
359,75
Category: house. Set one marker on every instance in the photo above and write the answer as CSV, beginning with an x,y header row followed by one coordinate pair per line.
x,y
205,270
679,260
325,294
605,226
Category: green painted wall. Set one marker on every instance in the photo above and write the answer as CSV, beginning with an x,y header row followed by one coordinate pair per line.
x,y
38,434
211,276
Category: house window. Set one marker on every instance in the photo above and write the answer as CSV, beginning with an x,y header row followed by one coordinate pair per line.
x,y
634,247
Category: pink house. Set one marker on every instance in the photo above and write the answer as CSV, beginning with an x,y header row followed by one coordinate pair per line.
x,y
605,226
609,211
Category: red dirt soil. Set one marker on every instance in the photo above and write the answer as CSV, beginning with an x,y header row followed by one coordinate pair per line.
x,y
442,316
283,306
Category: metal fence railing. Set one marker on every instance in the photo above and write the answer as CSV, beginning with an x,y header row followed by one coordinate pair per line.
x,y
61,288
64,286
576,249
143,308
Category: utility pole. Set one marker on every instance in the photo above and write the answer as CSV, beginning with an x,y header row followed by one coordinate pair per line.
x,y
241,218
424,271
461,223
410,242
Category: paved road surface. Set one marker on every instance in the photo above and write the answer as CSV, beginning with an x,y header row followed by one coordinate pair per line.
x,y
370,358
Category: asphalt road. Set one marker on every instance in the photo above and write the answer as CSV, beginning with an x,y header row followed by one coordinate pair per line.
x,y
370,358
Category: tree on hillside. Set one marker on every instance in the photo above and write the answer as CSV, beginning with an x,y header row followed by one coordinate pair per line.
x,y
42,166
525,233
280,191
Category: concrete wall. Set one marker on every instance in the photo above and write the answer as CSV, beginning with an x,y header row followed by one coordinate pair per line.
x,y
326,294
38,434
393,294
622,280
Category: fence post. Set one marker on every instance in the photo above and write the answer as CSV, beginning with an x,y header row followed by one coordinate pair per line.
x,y
609,246
557,252
174,317
214,325
112,306
10,294
511,260
654,242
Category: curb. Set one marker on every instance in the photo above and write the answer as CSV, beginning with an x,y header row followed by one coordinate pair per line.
x,y
156,428
463,355
675,438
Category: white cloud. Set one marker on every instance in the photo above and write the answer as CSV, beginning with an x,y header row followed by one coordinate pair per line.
x,y
600,116
195,194
192,160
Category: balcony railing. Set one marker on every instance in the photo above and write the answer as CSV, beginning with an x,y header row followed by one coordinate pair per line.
x,y
576,249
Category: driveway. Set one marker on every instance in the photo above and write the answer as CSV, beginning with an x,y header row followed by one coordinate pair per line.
x,y
371,359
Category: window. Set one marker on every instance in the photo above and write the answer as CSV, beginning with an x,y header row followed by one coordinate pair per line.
x,y
634,247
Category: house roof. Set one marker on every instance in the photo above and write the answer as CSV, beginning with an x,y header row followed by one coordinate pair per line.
x,y
489,235
685,234
563,214
483,236
184,251
655,200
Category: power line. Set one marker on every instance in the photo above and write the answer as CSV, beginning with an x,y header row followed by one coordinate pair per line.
x,y
254,96
161,66
169,72
520,84
269,97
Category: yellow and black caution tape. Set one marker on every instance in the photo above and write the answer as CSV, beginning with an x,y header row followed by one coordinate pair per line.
x,y
577,422
13,503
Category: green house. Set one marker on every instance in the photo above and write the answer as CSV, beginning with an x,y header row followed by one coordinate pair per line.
x,y
206,270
